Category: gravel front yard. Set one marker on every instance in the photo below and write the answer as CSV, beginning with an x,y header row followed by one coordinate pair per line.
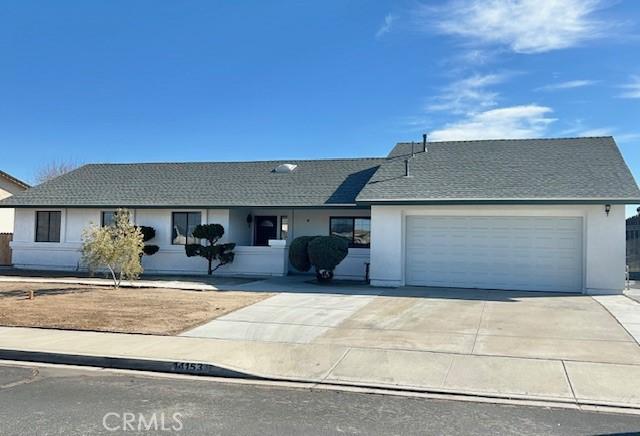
x,y
127,310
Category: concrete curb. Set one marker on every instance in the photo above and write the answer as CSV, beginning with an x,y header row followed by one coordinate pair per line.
x,y
188,368
180,368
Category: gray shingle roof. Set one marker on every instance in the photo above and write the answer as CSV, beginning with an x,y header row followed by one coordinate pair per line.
x,y
312,183
525,169
567,169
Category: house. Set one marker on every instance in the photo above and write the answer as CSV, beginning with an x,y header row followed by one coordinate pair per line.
x,y
633,246
531,214
9,186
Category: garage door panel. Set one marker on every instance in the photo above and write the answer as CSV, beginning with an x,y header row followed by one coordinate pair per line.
x,y
531,253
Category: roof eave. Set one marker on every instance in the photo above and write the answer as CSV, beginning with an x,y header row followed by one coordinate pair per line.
x,y
177,206
513,201
15,180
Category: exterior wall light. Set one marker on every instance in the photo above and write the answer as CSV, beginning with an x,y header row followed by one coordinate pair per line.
x,y
607,209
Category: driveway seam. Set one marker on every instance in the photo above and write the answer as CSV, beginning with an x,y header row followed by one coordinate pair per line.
x,y
272,322
475,339
556,338
335,365
263,303
566,374
446,376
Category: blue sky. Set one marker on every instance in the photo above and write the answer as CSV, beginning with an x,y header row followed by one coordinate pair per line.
x,y
119,81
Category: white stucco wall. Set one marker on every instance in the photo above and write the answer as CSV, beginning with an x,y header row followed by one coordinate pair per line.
x,y
603,240
6,215
7,189
171,258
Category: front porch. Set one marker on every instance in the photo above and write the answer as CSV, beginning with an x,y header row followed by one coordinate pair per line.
x,y
262,237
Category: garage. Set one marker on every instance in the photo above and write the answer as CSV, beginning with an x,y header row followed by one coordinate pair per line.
x,y
519,253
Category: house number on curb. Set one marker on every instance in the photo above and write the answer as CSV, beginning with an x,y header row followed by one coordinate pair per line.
x,y
185,366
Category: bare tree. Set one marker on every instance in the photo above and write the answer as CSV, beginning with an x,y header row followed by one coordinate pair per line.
x,y
53,170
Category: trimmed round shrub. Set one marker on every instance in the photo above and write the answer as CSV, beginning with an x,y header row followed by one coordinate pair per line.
x,y
150,250
298,254
148,233
325,253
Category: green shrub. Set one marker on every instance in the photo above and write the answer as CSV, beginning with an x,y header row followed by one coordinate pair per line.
x,y
325,253
150,250
148,233
298,254
222,253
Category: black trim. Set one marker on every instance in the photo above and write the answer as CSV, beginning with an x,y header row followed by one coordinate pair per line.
x,y
352,244
102,212
257,236
173,220
48,237
111,206
364,204
492,202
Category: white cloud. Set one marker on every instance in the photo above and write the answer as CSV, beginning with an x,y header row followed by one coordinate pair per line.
x,y
525,26
386,26
632,88
568,85
467,95
603,131
527,121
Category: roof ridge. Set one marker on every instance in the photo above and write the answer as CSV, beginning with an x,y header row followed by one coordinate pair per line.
x,y
558,138
377,158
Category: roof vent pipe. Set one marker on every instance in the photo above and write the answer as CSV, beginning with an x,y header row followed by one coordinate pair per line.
x,y
424,142
406,168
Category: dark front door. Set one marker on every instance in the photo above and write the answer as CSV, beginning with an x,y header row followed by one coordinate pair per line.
x,y
266,228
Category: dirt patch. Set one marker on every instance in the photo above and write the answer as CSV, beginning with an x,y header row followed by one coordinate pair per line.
x,y
127,310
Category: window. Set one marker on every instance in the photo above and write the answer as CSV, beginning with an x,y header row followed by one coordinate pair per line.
x,y
183,224
48,226
356,230
284,227
108,218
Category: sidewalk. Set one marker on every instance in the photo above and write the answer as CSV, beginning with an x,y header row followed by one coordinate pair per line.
x,y
559,381
625,310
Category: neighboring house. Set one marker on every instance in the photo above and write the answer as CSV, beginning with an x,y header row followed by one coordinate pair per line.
x,y
9,186
633,246
533,214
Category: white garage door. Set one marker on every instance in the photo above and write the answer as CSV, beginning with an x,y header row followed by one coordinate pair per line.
x,y
522,253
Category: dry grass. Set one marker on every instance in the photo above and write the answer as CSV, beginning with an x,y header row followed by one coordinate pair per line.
x,y
127,310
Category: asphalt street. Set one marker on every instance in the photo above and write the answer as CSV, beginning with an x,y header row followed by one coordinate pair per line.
x,y
60,400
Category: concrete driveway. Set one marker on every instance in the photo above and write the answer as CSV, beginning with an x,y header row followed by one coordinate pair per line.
x,y
471,322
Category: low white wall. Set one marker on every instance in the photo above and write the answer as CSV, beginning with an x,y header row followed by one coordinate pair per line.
x,y
65,255
263,261
603,240
353,267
